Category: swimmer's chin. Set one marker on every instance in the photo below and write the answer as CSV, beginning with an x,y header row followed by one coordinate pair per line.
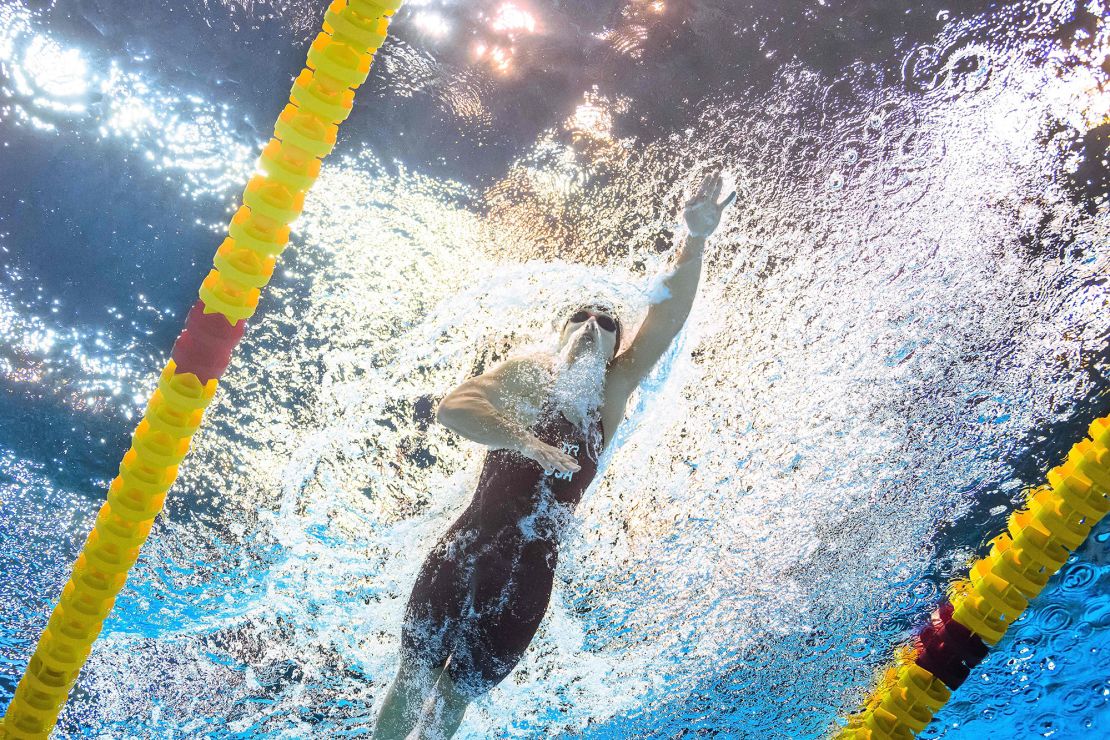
x,y
580,346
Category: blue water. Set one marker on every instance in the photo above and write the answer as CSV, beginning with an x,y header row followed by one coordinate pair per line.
x,y
902,325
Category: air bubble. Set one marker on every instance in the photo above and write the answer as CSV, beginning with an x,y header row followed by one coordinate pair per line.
x,y
967,70
1054,617
1078,576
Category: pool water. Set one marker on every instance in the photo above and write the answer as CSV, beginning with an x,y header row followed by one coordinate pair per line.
x,y
902,324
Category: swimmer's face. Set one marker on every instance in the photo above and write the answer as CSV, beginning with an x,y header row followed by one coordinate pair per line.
x,y
592,326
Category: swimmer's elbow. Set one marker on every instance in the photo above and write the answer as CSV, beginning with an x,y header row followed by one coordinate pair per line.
x,y
463,408
449,412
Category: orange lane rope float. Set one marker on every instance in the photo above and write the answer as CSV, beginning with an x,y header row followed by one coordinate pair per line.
x,y
1056,519
322,96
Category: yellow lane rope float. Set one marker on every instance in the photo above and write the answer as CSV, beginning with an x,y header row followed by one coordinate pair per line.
x,y
322,96
1040,537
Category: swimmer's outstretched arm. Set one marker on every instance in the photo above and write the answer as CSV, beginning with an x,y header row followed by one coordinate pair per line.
x,y
479,409
665,319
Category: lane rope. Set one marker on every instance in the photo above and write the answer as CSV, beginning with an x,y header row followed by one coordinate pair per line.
x,y
1039,538
322,97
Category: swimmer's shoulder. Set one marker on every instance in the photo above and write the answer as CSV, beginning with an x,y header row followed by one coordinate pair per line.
x,y
520,384
531,362
527,372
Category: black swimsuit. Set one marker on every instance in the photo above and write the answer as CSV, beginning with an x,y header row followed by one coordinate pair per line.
x,y
484,588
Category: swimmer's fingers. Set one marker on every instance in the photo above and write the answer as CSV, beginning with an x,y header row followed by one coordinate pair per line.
x,y
708,190
698,196
705,186
726,202
710,187
562,462
551,458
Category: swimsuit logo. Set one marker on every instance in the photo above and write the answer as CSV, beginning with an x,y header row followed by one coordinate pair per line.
x,y
571,450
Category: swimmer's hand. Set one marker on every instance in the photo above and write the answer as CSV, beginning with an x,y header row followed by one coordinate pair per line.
x,y
703,212
549,458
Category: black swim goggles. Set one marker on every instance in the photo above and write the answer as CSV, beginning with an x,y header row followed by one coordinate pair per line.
x,y
608,323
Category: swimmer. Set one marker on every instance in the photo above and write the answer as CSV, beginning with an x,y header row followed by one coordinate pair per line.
x,y
483,590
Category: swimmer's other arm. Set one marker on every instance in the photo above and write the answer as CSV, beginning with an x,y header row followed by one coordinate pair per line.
x,y
665,319
478,409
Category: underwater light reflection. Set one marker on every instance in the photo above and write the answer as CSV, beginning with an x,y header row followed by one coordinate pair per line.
x,y
55,71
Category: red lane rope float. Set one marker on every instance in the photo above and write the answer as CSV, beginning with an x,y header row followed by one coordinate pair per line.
x,y
1040,537
322,97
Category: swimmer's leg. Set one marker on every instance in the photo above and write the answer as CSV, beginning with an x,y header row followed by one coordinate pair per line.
x,y
404,702
431,617
444,712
